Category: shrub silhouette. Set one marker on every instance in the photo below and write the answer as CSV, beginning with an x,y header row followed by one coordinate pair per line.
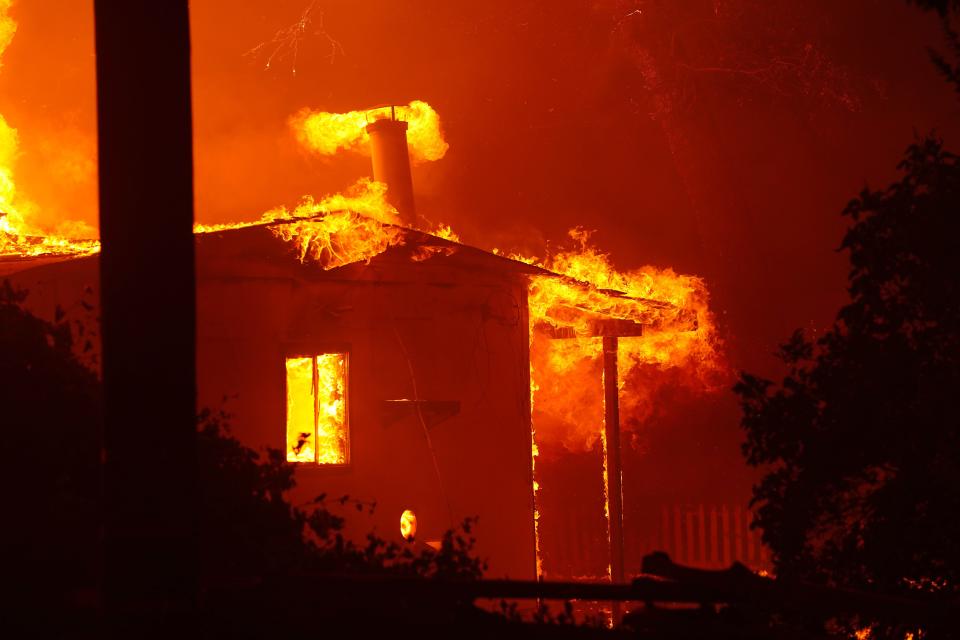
x,y
52,419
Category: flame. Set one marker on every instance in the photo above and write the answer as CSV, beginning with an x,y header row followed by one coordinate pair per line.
x,y
340,229
534,454
338,239
316,409
566,368
17,235
606,498
327,133
678,332
408,524
350,227
446,232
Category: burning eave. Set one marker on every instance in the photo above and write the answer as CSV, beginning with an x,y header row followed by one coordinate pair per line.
x,y
391,244
591,312
14,246
333,240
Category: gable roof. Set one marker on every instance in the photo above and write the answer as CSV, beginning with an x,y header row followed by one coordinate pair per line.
x,y
264,250
406,247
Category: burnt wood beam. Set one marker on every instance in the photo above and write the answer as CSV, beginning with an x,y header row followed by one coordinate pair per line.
x,y
596,328
148,306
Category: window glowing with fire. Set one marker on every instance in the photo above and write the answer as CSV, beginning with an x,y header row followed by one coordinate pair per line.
x,y
317,429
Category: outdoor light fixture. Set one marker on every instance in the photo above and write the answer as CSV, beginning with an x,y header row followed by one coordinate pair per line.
x,y
408,524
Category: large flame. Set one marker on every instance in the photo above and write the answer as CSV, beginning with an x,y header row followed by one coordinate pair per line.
x,y
337,230
678,332
343,228
17,235
316,409
566,357
327,133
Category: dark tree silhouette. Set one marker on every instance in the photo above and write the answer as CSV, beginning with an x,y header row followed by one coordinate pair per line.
x,y
945,9
861,439
248,528
51,441
52,515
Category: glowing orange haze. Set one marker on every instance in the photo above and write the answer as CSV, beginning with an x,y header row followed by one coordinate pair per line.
x,y
17,235
360,224
566,397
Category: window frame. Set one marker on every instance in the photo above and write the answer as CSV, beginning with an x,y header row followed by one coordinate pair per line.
x,y
312,350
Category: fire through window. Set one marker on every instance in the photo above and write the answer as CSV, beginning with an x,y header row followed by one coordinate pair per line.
x,y
317,428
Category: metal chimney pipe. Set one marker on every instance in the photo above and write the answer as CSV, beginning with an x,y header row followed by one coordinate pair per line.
x,y
391,164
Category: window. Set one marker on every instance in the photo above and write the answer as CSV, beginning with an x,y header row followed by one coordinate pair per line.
x,y
317,428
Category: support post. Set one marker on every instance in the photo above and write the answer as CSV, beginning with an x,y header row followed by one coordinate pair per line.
x,y
148,308
611,421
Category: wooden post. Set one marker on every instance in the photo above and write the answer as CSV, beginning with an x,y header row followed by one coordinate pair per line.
x,y
611,419
527,408
148,307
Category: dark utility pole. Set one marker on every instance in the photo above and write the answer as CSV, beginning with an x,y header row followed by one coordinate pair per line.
x,y
611,419
148,307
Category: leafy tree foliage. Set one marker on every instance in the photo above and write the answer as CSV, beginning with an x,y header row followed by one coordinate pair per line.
x,y
51,422
861,439
250,529
51,417
945,9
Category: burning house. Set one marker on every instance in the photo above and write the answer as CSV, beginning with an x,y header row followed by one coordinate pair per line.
x,y
400,366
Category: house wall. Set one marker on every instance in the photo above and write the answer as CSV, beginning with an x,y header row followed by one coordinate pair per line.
x,y
427,334
406,340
